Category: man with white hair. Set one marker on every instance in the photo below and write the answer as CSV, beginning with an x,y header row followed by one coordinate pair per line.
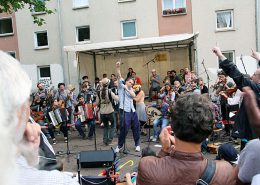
x,y
20,148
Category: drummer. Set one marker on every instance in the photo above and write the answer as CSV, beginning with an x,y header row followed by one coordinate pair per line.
x,y
163,120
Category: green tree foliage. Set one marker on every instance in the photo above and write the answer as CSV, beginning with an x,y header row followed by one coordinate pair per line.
x,y
35,6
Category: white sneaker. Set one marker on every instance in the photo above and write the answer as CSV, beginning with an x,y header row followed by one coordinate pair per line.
x,y
137,149
154,139
118,149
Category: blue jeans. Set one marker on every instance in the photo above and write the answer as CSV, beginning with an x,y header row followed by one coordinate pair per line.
x,y
108,134
91,127
157,122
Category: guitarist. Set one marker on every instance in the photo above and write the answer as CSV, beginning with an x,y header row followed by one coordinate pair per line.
x,y
161,119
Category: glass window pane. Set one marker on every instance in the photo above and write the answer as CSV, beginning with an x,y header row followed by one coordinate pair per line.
x,y
6,26
80,3
168,4
224,19
45,72
129,29
179,4
42,39
83,34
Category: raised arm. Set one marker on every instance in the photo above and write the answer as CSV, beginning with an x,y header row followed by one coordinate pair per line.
x,y
118,72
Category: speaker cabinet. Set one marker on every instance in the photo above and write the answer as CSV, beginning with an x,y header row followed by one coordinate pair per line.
x,y
96,158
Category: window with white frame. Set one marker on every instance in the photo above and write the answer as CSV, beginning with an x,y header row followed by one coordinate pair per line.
x,y
44,72
11,53
128,29
121,1
225,20
41,39
83,33
6,26
172,7
230,55
40,7
80,3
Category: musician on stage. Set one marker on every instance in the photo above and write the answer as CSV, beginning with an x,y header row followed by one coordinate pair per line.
x,y
62,126
39,97
128,116
242,128
155,83
162,120
79,122
104,101
140,106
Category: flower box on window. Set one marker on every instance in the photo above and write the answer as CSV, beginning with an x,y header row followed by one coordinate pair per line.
x,y
174,11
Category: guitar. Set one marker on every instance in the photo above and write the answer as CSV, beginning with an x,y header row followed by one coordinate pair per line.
x,y
153,113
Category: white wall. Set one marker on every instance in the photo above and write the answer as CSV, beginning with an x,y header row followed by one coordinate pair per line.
x,y
241,39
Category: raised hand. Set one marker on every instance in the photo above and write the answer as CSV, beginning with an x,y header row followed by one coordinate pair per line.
x,y
255,55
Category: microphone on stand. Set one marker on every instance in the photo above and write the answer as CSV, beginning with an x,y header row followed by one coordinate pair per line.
x,y
202,61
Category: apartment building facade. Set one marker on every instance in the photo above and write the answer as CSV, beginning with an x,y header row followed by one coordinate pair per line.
x,y
8,34
230,25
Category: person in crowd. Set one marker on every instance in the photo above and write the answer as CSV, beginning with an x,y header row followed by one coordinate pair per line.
x,y
162,120
187,75
167,94
252,108
249,162
104,102
128,116
136,78
62,126
181,155
202,86
39,97
85,119
71,102
112,80
155,84
174,77
116,108
228,153
167,77
84,80
178,90
140,106
181,75
97,84
19,151
129,74
242,128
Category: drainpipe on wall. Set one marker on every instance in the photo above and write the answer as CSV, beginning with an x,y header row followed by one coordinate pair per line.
x,y
257,24
61,42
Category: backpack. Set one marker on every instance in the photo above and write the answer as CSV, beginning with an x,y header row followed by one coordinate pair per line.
x,y
112,101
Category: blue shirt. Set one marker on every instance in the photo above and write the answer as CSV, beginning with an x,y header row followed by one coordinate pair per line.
x,y
125,99
163,109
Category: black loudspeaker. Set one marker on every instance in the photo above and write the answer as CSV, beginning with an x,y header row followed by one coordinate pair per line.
x,y
96,158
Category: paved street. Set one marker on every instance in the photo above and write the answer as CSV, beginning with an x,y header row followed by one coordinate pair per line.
x,y
76,144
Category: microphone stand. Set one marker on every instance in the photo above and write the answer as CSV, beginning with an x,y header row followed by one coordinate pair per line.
x,y
208,79
241,58
147,66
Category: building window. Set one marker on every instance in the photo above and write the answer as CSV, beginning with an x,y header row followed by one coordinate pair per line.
x,y
83,33
230,55
40,9
41,40
11,53
225,20
173,7
121,1
44,72
80,4
6,26
128,29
